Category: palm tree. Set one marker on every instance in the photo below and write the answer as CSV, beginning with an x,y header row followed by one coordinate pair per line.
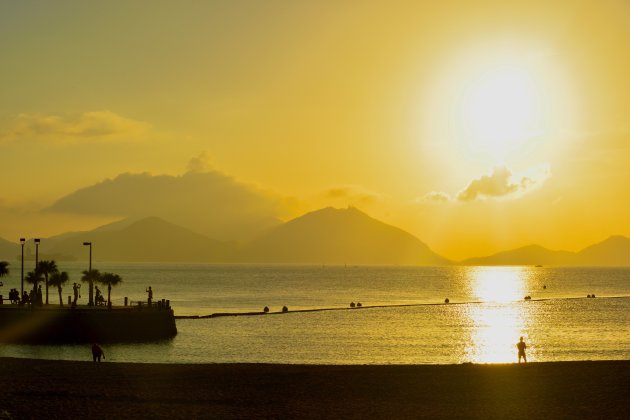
x,y
91,277
47,268
4,269
110,279
58,279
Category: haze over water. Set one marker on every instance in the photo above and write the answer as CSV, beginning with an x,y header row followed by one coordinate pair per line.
x,y
484,320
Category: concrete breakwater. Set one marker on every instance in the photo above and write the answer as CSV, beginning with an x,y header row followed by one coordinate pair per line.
x,y
363,307
56,325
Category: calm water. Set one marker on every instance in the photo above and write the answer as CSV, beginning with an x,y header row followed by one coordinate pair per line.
x,y
485,319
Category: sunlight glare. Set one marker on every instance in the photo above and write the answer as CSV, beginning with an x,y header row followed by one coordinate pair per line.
x,y
497,284
499,111
496,329
496,324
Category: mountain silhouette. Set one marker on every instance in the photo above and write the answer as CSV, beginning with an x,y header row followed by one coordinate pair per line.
x,y
147,239
326,236
211,203
8,250
339,236
614,251
527,255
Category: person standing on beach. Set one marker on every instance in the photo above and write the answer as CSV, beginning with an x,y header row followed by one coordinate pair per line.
x,y
150,292
521,346
97,352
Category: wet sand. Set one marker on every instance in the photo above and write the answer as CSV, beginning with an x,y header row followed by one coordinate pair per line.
x,y
61,389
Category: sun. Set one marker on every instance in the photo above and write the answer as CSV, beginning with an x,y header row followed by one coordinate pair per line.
x,y
498,111
485,106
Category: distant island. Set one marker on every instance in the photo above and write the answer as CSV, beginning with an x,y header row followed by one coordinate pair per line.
x,y
325,236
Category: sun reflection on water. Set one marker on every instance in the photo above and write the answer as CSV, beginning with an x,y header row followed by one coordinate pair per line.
x,y
497,324
497,284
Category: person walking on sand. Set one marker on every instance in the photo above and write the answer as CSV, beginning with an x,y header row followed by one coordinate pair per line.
x,y
521,346
97,352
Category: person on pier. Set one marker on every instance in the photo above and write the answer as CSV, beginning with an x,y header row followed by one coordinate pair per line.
x,y
98,297
75,291
40,298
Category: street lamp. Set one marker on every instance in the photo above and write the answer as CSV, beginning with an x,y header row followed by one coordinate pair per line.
x,y
36,240
90,245
90,302
36,253
22,241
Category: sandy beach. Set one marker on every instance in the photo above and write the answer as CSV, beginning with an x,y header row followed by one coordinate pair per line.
x,y
63,389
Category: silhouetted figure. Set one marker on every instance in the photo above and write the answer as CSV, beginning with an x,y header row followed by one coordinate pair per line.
x,y
150,292
285,309
588,296
14,296
447,300
97,352
352,305
359,304
25,298
40,300
98,297
521,346
75,291
266,309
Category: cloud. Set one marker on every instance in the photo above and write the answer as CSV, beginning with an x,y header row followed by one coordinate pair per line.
x,y
209,202
94,125
351,194
200,163
436,197
501,183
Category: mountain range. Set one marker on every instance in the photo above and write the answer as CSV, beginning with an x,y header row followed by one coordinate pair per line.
x,y
614,251
326,236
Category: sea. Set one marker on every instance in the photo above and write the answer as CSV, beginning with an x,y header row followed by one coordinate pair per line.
x,y
403,318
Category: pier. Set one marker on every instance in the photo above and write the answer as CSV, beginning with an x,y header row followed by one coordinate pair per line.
x,y
53,324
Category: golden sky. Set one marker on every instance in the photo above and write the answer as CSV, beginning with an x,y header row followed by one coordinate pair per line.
x,y
475,125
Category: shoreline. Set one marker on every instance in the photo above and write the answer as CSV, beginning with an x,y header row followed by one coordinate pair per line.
x,y
581,389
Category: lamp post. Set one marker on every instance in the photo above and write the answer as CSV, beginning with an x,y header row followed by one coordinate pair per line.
x,y
90,302
22,241
36,240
